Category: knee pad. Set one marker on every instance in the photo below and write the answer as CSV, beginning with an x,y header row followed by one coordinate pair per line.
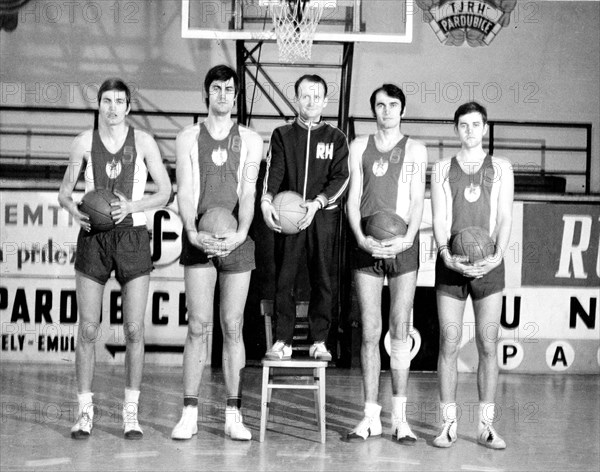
x,y
400,353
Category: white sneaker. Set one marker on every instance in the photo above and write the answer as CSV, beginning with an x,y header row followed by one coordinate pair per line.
x,y
488,437
279,351
319,351
234,425
447,436
401,431
83,428
370,426
188,424
131,427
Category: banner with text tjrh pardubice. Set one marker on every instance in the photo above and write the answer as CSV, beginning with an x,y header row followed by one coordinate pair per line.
x,y
549,322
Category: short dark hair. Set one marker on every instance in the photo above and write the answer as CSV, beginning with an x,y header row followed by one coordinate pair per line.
x,y
114,83
392,91
314,78
470,107
222,73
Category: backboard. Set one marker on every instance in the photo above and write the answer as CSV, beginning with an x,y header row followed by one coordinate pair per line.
x,y
383,21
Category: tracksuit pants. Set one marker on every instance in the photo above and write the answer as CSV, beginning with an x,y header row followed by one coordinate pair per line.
x,y
317,244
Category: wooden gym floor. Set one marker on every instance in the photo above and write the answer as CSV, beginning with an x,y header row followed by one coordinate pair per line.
x,y
550,423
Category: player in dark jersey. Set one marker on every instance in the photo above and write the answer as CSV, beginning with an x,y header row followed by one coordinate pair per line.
x,y
115,157
470,189
217,166
387,172
310,157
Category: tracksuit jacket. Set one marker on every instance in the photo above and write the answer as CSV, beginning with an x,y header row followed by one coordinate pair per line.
x,y
311,160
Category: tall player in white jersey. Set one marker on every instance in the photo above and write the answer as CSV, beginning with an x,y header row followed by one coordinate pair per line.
x,y
115,157
387,172
470,189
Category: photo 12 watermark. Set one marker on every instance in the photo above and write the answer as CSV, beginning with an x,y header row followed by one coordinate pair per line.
x,y
53,93
73,12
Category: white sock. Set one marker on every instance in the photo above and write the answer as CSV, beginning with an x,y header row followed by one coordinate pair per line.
x,y
448,411
191,411
399,407
130,405
486,412
372,410
86,404
232,414
131,396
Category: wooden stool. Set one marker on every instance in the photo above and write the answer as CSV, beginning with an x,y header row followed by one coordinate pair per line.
x,y
317,385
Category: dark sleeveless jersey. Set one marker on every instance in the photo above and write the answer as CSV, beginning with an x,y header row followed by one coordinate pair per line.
x,y
121,171
219,169
471,202
384,181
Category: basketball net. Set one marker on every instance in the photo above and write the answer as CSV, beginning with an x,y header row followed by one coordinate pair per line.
x,y
295,24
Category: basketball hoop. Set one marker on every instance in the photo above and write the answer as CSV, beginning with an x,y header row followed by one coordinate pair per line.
x,y
295,23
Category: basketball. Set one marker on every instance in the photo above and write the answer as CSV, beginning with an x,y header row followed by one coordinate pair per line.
x,y
473,242
96,204
217,220
384,225
287,205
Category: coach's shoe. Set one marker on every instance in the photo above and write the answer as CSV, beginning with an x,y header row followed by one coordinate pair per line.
x,y
488,437
188,424
319,352
401,431
448,435
369,427
279,351
83,428
234,425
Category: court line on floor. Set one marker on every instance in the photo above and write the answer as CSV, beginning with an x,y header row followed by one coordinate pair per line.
x,y
136,455
304,456
219,453
480,468
48,462
395,461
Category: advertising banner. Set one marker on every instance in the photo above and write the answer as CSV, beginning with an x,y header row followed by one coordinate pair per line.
x,y
38,305
549,321
560,246
542,330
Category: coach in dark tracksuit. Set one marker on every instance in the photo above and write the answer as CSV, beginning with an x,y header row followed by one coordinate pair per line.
x,y
309,157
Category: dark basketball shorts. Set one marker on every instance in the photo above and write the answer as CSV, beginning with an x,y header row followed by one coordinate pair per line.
x,y
458,286
241,259
404,262
125,250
